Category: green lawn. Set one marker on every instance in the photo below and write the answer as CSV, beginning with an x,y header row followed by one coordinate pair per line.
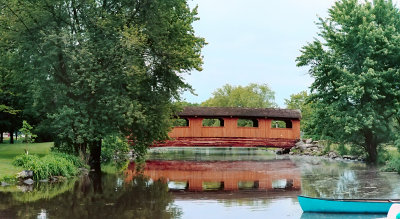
x,y
9,151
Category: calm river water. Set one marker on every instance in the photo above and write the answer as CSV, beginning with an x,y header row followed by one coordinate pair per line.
x,y
203,183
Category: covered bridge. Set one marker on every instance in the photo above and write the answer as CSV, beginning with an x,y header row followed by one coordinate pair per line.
x,y
235,127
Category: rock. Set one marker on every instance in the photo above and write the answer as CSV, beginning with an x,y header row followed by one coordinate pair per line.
x,y
350,157
29,181
291,153
299,145
333,155
4,184
44,180
25,174
309,141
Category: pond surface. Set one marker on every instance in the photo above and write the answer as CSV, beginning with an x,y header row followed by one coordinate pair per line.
x,y
203,183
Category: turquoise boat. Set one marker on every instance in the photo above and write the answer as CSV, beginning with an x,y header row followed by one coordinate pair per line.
x,y
365,206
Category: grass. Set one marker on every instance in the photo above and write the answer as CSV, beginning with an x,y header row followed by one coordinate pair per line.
x,y
9,151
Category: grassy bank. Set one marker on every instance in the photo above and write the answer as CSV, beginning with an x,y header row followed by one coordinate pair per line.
x,y
9,151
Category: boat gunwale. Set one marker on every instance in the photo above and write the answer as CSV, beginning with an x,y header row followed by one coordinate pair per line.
x,y
356,200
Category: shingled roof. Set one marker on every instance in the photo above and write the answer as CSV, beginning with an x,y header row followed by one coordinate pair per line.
x,y
241,112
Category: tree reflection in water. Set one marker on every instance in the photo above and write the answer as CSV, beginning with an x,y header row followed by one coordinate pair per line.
x,y
95,196
330,179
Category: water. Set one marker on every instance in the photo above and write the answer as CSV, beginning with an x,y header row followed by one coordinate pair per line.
x,y
203,183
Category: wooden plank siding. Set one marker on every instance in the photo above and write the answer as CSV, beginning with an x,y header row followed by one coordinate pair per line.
x,y
230,135
230,129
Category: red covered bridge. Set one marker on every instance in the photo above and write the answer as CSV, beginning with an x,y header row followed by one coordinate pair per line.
x,y
265,127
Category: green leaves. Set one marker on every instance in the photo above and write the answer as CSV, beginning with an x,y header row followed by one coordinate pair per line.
x,y
252,95
355,91
94,68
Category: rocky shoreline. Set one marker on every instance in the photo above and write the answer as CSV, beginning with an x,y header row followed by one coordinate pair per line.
x,y
308,147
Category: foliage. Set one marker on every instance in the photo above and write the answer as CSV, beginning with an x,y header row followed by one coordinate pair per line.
x,y
355,65
301,101
26,130
47,166
76,161
252,95
114,148
342,150
9,151
392,165
92,68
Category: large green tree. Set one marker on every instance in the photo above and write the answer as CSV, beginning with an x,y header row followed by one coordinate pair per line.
x,y
301,101
355,64
98,67
252,95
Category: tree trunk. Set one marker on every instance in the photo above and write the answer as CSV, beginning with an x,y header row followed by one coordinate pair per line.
x,y
16,135
95,152
1,137
12,137
371,146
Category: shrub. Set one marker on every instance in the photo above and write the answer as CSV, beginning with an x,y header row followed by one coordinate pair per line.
x,y
77,161
55,164
25,160
393,165
114,148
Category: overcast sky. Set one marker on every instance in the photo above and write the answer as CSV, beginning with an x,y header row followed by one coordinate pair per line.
x,y
254,41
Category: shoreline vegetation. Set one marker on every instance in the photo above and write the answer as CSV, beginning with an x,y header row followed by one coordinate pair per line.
x,y
27,163
42,164
388,157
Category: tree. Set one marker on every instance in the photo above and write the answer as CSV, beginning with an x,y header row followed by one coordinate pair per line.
x,y
300,101
95,68
356,70
252,95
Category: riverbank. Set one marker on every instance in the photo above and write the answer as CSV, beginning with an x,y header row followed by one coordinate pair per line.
x,y
322,149
9,151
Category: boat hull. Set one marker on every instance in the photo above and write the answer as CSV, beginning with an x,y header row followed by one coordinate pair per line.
x,y
345,205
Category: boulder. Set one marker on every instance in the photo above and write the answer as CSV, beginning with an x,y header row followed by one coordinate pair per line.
x,y
333,155
29,181
25,174
299,144
350,157
309,141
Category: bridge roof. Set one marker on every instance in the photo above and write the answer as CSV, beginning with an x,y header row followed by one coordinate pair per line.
x,y
242,112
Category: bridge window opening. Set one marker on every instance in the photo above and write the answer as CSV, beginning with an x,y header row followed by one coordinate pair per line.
x,y
210,186
282,184
178,185
281,124
247,185
180,122
247,123
213,122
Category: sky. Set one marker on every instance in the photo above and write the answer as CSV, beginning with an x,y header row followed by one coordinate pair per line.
x,y
254,41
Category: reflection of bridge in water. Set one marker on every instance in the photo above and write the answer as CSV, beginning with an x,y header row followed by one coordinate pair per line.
x,y
223,175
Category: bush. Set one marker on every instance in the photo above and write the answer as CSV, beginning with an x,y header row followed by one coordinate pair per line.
x,y
55,164
25,160
71,158
114,148
393,165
